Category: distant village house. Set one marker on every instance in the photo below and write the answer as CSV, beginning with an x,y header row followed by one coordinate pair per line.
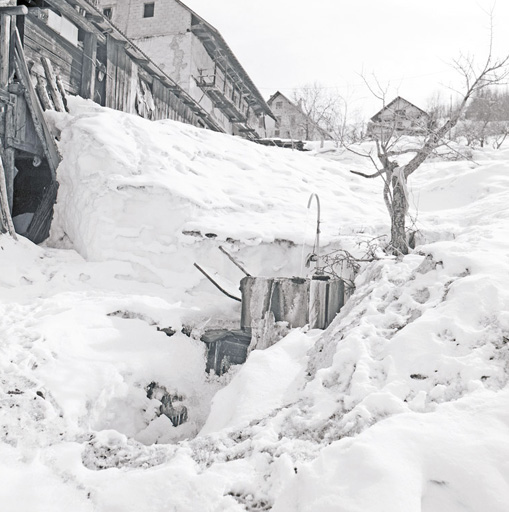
x,y
399,117
292,122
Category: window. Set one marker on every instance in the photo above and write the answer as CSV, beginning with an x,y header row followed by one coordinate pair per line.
x,y
148,10
108,12
279,104
278,120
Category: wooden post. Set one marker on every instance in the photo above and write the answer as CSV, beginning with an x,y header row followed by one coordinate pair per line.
x,y
5,212
5,36
89,66
7,170
111,72
9,152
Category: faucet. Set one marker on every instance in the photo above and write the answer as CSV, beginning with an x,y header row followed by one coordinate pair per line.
x,y
317,239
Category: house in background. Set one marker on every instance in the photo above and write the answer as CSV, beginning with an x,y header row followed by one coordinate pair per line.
x,y
399,117
194,54
292,122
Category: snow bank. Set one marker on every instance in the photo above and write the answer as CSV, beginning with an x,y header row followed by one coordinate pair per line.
x,y
399,405
156,193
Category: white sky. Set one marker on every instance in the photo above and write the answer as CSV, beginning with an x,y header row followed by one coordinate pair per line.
x,y
284,44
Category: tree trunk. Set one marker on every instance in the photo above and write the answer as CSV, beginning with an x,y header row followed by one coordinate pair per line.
x,y
399,209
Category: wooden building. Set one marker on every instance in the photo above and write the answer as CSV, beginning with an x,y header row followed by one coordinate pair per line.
x,y
48,50
197,57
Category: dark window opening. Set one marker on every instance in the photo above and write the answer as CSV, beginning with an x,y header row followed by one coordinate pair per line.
x,y
108,12
30,184
148,10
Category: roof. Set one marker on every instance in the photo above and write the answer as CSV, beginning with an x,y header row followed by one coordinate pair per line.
x,y
296,107
215,44
276,94
388,106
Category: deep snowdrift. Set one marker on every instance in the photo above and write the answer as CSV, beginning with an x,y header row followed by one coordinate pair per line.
x,y
400,405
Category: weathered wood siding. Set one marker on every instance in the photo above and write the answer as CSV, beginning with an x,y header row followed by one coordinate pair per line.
x,y
131,89
67,59
127,86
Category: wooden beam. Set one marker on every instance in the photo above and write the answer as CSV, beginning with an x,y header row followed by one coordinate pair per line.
x,y
4,203
111,71
5,37
61,88
43,94
96,18
45,136
9,151
88,69
52,85
17,10
38,230
69,12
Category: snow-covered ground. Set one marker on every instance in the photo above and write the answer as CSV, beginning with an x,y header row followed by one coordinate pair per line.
x,y
400,405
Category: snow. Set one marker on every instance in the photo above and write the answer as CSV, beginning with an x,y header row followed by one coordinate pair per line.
x,y
401,404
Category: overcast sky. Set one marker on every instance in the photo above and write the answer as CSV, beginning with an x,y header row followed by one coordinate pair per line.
x,y
284,44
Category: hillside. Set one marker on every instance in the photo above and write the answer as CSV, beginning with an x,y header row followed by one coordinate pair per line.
x,y
401,404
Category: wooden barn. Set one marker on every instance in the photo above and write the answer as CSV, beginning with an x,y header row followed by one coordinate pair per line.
x,y
48,50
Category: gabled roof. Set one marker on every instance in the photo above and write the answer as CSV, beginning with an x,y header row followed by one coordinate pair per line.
x,y
216,45
389,105
296,107
276,94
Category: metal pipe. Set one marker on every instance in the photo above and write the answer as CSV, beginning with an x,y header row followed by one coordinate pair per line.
x,y
317,227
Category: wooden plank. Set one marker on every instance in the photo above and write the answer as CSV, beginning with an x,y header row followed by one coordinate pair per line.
x,y
61,88
38,230
121,77
111,72
130,91
42,41
42,92
47,139
89,66
51,79
4,203
9,152
26,138
18,10
5,35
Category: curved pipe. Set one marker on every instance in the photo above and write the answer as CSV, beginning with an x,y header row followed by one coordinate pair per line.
x,y
317,227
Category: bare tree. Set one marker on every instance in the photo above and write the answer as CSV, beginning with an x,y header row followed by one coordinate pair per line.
x,y
395,176
323,110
